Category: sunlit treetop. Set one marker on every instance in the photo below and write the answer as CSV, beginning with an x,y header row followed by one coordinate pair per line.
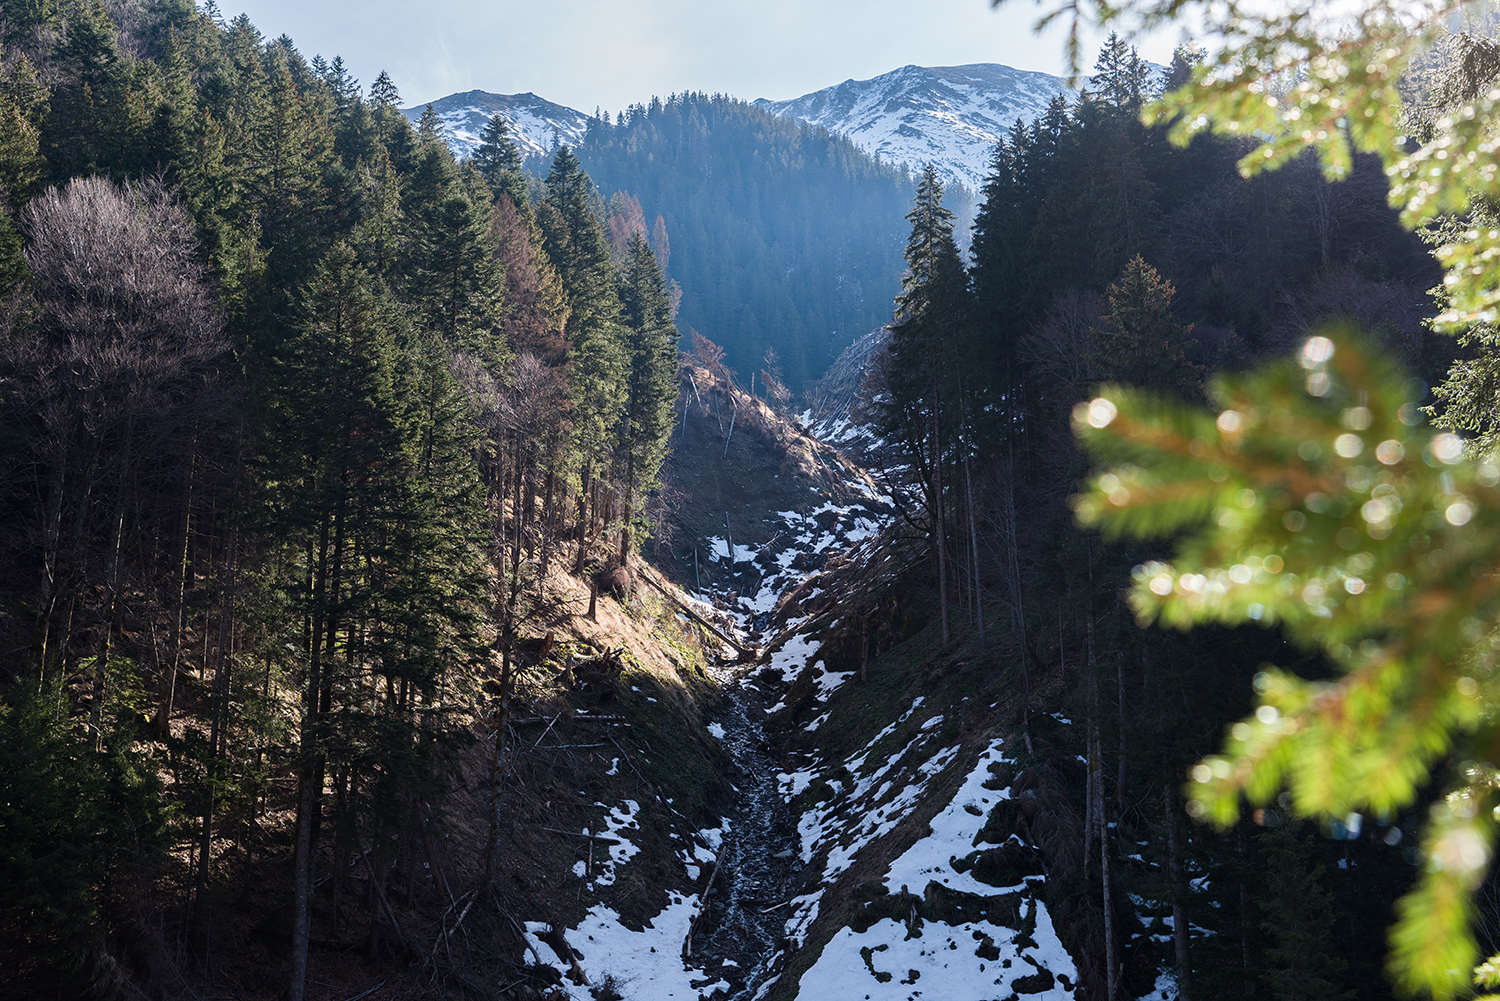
x,y
1327,76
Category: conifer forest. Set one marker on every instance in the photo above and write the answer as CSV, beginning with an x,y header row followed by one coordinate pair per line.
x,y
668,566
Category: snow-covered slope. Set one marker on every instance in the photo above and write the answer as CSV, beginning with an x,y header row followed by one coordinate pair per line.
x,y
950,115
534,121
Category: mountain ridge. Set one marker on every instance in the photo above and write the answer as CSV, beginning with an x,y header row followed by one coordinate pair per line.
x,y
536,123
951,116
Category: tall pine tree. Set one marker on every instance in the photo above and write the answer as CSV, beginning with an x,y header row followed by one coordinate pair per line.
x,y
652,387
499,160
920,407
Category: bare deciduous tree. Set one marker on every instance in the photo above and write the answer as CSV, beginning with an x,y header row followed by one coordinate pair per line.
x,y
118,384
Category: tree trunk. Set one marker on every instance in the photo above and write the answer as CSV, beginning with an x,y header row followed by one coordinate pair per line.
x,y
1090,782
223,668
51,534
343,785
593,506
548,489
168,689
112,579
974,551
1014,583
583,524
625,514
529,505
1122,771
937,513
309,768
1179,893
1096,768
1242,848
1110,962
495,761
79,561
1109,905
302,886
515,551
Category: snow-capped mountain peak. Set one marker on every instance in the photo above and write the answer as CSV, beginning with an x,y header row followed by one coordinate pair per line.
x,y
534,122
951,116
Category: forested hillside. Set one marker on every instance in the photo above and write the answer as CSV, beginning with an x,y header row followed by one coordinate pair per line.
x,y
781,235
295,411
1103,254
328,463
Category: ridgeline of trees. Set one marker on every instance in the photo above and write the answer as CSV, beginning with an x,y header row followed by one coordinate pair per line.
x,y
783,235
295,412
1103,254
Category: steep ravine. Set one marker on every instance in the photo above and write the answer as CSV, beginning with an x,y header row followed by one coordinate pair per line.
x,y
875,835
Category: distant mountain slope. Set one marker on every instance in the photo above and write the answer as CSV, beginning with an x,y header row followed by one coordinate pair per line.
x,y
950,115
781,234
536,122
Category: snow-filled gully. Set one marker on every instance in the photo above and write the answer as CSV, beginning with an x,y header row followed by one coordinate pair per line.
x,y
743,925
767,867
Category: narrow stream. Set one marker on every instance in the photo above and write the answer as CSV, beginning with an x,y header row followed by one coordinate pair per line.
x,y
758,861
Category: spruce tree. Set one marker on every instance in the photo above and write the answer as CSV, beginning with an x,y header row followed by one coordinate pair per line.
x,y
390,125
176,116
333,457
21,162
536,309
921,408
380,233
450,274
383,92
288,150
499,160
1141,343
1121,77
599,362
576,243
88,107
651,391
934,304
13,274
430,126
1297,916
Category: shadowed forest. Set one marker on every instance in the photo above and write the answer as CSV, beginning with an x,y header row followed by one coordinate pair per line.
x,y
300,417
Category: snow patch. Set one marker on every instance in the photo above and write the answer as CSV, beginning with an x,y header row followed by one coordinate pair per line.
x,y
883,963
620,818
829,681
646,965
954,831
720,549
951,116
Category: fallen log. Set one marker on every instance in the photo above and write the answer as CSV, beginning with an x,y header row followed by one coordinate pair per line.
x,y
745,652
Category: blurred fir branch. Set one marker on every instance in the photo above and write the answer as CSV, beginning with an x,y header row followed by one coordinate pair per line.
x,y
1315,499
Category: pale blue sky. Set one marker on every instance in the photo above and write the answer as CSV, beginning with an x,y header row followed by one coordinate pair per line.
x,y
612,53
